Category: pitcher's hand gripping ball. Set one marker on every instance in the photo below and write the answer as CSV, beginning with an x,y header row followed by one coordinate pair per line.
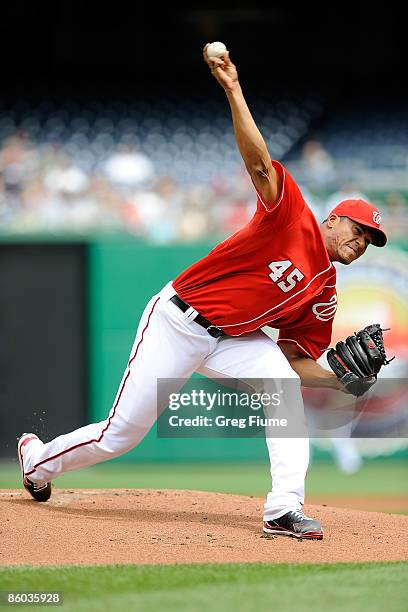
x,y
216,49
357,361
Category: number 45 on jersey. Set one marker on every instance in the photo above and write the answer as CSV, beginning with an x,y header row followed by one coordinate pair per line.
x,y
277,270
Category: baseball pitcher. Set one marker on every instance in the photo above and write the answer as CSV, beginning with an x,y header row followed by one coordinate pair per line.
x,y
278,271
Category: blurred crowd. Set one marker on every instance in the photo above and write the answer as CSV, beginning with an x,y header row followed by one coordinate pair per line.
x,y
43,190
47,188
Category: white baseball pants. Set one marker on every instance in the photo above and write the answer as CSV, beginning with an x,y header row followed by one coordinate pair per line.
x,y
170,345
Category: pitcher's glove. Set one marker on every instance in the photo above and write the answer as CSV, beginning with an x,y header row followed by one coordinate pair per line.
x,y
357,361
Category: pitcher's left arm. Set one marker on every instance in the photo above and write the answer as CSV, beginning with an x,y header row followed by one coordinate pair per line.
x,y
311,373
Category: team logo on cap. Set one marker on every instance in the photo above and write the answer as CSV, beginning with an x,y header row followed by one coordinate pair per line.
x,y
376,217
324,311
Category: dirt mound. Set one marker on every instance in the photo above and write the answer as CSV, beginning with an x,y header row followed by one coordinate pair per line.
x,y
147,526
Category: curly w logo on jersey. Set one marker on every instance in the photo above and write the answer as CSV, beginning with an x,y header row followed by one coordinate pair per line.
x,y
324,311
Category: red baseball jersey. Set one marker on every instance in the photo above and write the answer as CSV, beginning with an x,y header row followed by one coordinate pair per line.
x,y
274,271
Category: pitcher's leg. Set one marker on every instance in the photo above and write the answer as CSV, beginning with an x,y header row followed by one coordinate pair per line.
x,y
98,441
85,446
288,452
165,347
257,356
289,459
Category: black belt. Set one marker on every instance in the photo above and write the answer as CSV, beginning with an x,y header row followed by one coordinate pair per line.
x,y
214,331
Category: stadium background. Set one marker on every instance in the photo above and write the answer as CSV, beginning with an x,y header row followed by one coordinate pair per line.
x,y
118,168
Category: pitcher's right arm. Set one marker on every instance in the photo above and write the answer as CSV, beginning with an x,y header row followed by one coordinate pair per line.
x,y
250,141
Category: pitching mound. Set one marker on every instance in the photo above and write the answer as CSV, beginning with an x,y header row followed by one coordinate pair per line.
x,y
146,526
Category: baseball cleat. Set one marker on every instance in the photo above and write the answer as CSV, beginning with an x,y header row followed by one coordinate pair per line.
x,y
40,493
296,525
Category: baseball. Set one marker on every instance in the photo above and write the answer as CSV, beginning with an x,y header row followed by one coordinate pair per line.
x,y
216,49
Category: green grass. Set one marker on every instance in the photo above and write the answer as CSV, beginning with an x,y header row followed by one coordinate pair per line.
x,y
376,477
238,587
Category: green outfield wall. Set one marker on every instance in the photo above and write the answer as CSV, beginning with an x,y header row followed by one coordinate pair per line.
x,y
115,278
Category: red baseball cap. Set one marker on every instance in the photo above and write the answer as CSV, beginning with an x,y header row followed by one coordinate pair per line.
x,y
364,213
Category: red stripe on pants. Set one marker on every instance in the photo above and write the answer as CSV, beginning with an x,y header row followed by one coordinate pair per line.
x,y
114,408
